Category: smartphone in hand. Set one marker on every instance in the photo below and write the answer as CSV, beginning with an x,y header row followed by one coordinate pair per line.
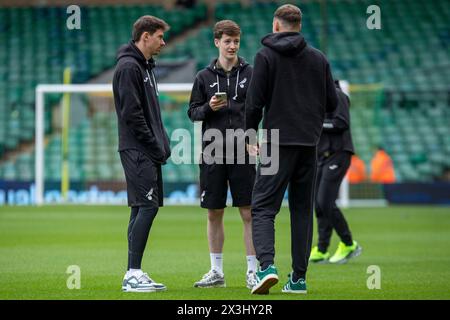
x,y
222,96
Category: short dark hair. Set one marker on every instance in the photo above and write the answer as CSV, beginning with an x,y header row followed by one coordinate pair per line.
x,y
228,27
289,14
148,24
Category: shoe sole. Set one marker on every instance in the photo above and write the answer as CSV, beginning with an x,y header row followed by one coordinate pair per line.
x,y
142,290
221,285
294,291
129,289
266,283
353,254
322,261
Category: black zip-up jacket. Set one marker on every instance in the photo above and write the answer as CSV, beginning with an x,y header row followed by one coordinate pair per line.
x,y
137,106
336,135
293,82
211,80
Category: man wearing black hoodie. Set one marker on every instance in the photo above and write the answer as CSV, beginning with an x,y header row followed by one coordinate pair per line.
x,y
335,150
227,76
292,83
143,141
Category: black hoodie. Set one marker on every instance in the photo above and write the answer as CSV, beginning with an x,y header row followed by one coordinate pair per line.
x,y
137,107
336,135
293,82
211,80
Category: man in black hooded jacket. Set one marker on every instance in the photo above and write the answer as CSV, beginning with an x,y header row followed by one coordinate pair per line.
x,y
292,83
143,141
335,150
226,164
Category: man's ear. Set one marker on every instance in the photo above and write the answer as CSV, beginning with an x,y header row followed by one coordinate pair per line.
x,y
216,42
145,36
275,25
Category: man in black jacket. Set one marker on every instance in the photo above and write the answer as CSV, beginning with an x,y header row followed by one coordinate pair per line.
x,y
224,159
143,141
292,82
335,150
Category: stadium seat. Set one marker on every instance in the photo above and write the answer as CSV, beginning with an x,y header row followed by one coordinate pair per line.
x,y
409,117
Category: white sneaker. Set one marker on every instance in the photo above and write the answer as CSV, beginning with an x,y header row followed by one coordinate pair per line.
x,y
251,279
141,283
212,279
124,282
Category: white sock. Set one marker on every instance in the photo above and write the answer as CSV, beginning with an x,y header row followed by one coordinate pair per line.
x,y
135,272
251,263
217,262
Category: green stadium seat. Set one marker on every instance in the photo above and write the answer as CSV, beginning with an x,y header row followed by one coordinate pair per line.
x,y
412,123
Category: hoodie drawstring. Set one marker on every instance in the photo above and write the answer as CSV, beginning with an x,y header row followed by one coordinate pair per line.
x,y
148,75
154,81
235,89
218,88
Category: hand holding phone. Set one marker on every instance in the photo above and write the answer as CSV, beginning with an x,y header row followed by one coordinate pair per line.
x,y
218,101
221,96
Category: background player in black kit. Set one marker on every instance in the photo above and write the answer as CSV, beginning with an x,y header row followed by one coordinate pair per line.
x,y
292,83
335,150
143,141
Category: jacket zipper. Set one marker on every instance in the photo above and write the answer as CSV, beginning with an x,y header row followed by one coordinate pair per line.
x,y
228,99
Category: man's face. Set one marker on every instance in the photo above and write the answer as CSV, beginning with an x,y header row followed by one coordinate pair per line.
x,y
228,46
154,42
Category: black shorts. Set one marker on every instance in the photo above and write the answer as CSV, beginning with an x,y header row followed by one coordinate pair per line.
x,y
214,182
144,179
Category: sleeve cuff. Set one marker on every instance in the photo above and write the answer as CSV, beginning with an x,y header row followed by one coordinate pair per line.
x,y
207,109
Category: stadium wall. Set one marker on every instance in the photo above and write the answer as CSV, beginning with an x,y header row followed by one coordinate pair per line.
x,y
23,193
418,193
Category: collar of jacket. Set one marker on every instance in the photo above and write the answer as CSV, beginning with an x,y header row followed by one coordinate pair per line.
x,y
150,63
214,66
287,43
220,67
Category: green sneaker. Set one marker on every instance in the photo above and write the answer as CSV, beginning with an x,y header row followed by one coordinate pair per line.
x,y
265,280
318,256
344,253
294,287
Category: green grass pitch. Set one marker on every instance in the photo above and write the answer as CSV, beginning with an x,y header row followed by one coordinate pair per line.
x,y
411,245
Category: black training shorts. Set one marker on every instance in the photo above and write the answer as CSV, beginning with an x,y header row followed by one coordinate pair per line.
x,y
214,182
144,179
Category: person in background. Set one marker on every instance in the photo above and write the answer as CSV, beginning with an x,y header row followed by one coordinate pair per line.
x,y
356,173
382,167
335,150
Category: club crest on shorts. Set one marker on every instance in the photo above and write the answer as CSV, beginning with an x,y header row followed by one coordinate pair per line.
x,y
149,194
202,196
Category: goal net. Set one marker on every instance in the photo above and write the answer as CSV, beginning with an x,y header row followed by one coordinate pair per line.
x,y
76,158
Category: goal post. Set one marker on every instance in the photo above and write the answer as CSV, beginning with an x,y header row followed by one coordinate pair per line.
x,y
178,120
43,89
